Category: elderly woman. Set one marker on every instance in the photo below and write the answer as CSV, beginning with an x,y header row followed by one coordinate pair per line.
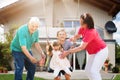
x,y
95,46
25,37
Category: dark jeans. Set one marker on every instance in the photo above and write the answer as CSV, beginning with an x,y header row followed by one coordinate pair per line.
x,y
20,60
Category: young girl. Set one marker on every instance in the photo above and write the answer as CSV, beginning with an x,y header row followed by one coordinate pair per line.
x,y
60,66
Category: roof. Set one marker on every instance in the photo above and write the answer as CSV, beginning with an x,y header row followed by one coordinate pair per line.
x,y
4,3
110,6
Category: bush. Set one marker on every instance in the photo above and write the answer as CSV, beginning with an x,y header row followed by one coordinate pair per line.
x,y
5,55
115,69
1,68
5,52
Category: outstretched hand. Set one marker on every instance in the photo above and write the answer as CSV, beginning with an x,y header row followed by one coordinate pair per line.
x,y
72,39
43,56
41,62
33,60
63,54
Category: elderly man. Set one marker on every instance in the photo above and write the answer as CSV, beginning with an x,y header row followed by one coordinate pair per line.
x,y
25,37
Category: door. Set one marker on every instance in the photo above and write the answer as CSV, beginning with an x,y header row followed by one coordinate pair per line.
x,y
79,60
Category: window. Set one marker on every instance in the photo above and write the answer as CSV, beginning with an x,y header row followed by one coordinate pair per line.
x,y
71,23
42,22
42,28
68,24
76,23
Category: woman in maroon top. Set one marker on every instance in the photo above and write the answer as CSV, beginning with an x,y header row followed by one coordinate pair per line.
x,y
93,44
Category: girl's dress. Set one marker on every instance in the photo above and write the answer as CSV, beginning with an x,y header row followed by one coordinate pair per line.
x,y
58,64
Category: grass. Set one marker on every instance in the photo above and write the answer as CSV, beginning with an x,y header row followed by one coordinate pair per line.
x,y
117,77
11,77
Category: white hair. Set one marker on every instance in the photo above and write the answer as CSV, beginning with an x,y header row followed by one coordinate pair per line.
x,y
34,20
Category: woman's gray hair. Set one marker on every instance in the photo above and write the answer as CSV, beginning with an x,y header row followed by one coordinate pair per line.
x,y
34,20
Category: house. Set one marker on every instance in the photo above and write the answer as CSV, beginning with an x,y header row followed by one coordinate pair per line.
x,y
57,14
2,34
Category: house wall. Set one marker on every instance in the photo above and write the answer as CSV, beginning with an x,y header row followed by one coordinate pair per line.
x,y
2,39
111,52
55,11
68,9
29,9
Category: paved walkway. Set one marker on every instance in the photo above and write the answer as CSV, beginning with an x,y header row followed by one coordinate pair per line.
x,y
76,75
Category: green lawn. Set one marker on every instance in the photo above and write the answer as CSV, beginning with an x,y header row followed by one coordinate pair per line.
x,y
11,77
117,77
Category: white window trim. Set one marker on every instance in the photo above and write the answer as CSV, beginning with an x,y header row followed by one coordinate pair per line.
x,y
70,20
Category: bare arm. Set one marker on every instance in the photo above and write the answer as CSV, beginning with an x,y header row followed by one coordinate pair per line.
x,y
79,48
38,47
42,60
26,52
73,50
75,37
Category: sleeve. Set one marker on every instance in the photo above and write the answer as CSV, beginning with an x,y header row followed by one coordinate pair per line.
x,y
37,36
89,36
22,38
70,44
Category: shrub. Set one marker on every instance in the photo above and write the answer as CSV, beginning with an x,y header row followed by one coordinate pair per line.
x,y
115,69
5,52
1,68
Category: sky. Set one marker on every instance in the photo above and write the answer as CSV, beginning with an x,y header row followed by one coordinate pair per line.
x,y
116,35
4,3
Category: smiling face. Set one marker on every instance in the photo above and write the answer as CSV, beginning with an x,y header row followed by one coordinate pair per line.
x,y
33,24
33,27
61,35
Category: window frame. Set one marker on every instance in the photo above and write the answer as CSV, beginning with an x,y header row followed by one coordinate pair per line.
x,y
72,20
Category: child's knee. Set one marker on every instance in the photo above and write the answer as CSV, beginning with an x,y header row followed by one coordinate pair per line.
x,y
67,76
57,78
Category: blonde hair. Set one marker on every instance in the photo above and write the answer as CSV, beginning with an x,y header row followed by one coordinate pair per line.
x,y
62,30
